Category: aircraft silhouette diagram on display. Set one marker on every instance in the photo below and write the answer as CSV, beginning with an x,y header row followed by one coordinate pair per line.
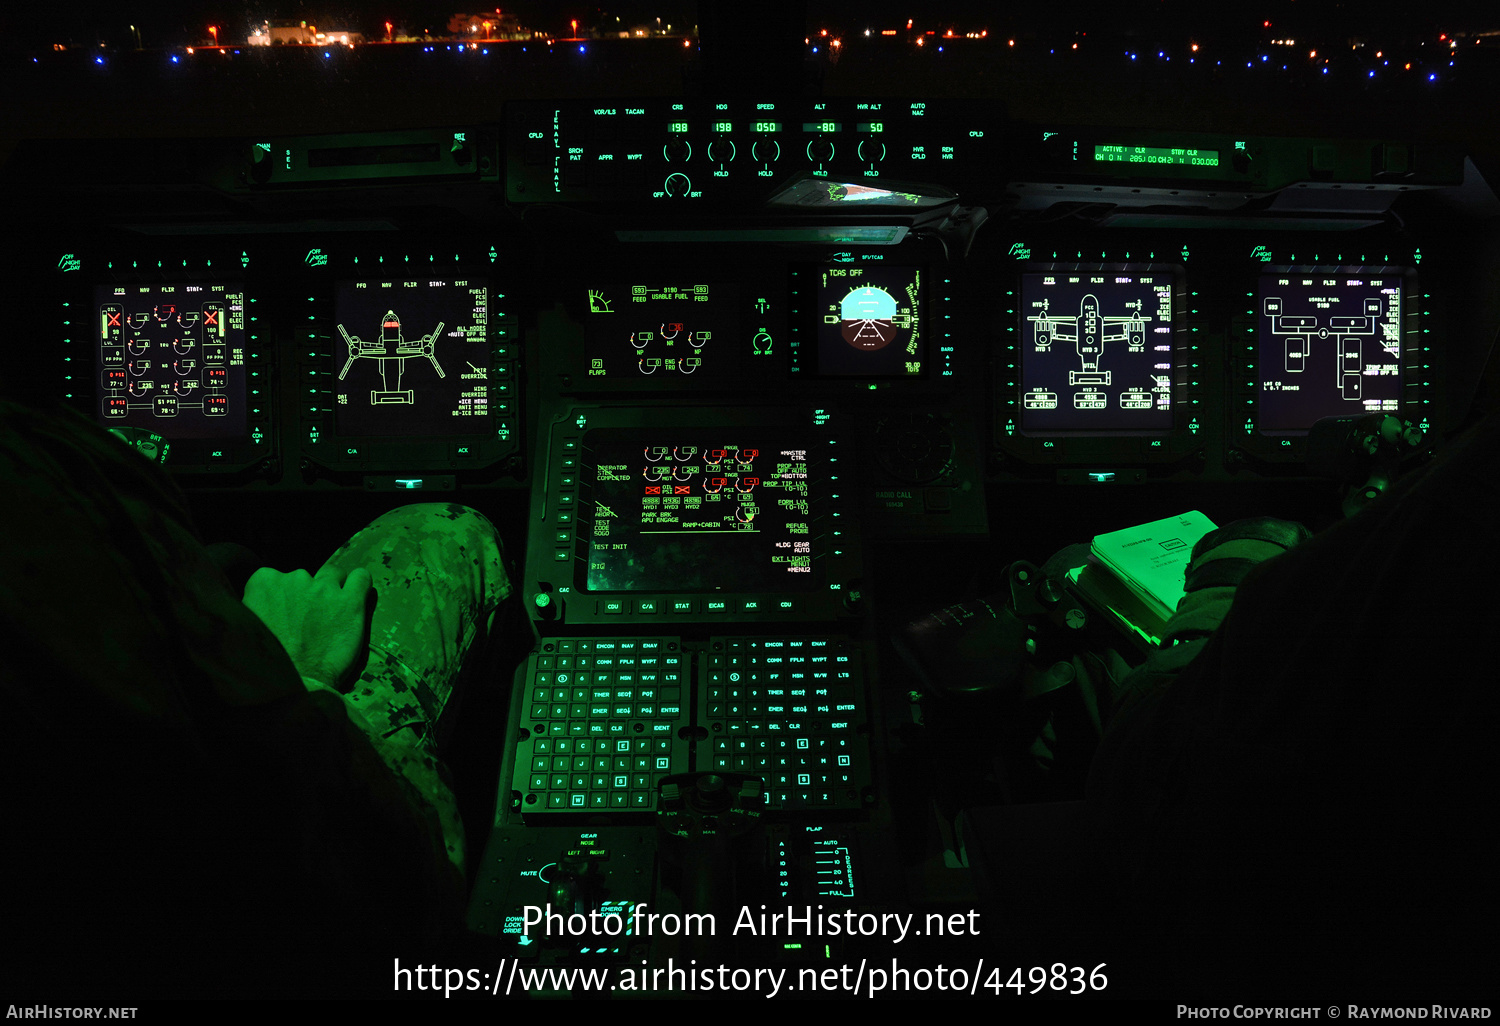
x,y
1088,330
391,348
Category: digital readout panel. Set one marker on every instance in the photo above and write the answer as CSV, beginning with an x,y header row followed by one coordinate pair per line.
x,y
870,321
664,332
726,510
1177,156
1096,352
1330,346
411,358
170,358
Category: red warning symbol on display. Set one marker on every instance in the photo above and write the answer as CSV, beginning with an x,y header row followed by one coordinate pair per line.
x,y
682,489
653,489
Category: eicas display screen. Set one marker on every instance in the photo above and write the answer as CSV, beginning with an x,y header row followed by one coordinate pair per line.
x,y
170,358
870,322
1330,346
672,332
1096,352
411,358
723,510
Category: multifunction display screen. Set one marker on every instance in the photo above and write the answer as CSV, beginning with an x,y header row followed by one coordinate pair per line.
x,y
1330,346
411,358
1096,352
719,509
666,332
170,358
870,321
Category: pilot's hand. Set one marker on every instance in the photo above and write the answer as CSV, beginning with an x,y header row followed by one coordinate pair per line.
x,y
1220,561
321,621
1225,555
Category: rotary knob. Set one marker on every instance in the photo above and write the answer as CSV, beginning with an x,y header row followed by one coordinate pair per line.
x,y
820,151
721,150
677,184
915,447
261,164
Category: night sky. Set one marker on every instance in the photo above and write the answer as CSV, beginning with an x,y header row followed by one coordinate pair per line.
x,y
164,23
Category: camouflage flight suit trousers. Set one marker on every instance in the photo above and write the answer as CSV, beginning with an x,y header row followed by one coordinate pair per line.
x,y
439,574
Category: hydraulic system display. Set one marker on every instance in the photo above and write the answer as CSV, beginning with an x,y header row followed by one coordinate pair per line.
x,y
725,513
171,358
1330,346
411,357
1096,352
666,331
870,322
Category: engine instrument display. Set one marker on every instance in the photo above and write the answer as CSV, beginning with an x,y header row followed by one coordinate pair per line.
x,y
412,358
171,358
1096,352
1330,345
665,331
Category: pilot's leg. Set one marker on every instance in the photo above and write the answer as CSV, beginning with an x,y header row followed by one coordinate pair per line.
x,y
439,574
